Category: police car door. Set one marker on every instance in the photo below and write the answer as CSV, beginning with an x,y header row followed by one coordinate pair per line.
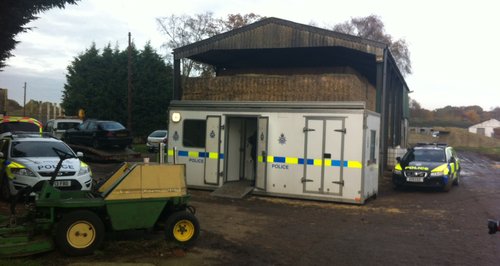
x,y
212,148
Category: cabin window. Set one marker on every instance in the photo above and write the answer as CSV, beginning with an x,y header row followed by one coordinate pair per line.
x,y
373,136
194,133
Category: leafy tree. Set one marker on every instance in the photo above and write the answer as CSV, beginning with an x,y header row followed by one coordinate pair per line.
x,y
97,82
372,27
15,14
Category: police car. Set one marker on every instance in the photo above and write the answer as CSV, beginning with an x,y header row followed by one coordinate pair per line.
x,y
27,159
428,164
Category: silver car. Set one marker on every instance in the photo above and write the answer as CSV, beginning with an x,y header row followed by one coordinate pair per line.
x,y
155,138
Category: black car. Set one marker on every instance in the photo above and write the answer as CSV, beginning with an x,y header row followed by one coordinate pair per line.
x,y
431,165
99,133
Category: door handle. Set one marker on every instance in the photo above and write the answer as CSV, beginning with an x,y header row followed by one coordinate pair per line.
x,y
264,157
303,180
341,182
341,130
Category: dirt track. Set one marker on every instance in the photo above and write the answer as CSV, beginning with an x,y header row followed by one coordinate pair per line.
x,y
409,227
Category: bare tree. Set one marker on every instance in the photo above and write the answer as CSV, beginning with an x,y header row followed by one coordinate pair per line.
x,y
235,21
183,30
372,28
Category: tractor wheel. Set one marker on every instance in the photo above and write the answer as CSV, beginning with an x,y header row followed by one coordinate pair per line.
x,y
79,233
4,189
182,228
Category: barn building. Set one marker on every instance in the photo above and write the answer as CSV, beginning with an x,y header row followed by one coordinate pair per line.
x,y
279,61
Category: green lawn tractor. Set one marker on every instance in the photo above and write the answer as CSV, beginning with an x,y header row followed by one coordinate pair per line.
x,y
137,196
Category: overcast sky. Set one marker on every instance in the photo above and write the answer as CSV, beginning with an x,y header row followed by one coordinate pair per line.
x,y
453,44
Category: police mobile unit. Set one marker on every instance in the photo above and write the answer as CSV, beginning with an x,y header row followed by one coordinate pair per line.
x,y
432,165
308,150
27,159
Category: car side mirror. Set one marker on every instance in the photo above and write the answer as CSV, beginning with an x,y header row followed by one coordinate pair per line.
x,y
79,154
398,159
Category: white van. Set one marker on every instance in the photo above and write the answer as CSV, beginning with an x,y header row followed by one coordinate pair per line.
x,y
57,127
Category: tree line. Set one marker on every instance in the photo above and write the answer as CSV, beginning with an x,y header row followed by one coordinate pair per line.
x,y
450,116
97,79
97,83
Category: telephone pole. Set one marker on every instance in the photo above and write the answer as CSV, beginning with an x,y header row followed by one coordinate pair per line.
x,y
24,103
129,77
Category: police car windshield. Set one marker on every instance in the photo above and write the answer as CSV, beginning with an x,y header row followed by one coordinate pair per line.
x,y
426,155
18,126
37,149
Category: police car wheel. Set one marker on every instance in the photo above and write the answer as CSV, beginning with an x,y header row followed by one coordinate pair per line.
x,y
456,182
447,187
4,189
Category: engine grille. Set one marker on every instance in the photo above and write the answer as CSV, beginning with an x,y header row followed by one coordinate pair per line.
x,y
63,173
411,173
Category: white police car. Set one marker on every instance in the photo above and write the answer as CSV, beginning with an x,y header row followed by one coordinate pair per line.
x,y
27,159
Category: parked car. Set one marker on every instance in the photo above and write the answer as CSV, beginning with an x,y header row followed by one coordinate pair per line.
x,y
30,159
432,165
9,124
57,127
155,138
99,134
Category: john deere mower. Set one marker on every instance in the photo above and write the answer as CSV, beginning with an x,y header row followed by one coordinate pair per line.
x,y
136,196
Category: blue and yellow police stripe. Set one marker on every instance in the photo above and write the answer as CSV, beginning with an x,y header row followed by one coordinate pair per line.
x,y
273,159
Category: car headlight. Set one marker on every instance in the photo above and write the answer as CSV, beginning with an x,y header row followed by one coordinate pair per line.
x,y
437,173
84,169
22,172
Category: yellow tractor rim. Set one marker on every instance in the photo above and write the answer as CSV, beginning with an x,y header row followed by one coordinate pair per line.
x,y
81,234
183,230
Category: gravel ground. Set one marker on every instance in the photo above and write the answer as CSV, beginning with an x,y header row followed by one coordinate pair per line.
x,y
406,227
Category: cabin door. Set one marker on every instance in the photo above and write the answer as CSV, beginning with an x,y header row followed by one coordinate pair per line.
x,y
212,150
324,155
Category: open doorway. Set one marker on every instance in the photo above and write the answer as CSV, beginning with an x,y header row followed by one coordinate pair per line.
x,y
241,149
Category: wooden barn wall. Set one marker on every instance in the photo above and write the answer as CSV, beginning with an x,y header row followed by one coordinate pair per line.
x,y
277,36
257,87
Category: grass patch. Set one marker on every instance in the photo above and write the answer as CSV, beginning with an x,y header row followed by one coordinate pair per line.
x,y
142,148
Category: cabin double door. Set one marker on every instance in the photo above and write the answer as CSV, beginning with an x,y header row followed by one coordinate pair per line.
x,y
324,155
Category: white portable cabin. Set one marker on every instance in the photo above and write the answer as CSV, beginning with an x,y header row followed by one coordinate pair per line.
x,y
310,150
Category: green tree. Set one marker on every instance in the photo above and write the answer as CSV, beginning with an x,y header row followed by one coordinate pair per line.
x,y
97,82
152,92
15,14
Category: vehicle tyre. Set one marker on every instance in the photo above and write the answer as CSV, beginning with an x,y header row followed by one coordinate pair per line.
x,y
95,144
183,228
4,189
447,187
456,182
397,186
79,233
67,139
